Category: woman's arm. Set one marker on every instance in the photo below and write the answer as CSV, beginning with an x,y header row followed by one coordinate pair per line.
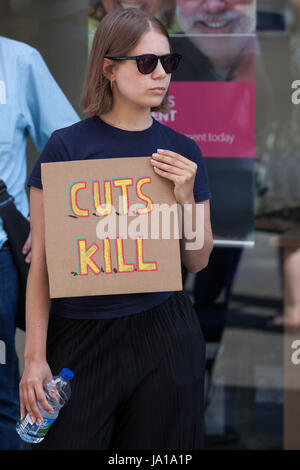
x,y
36,369
196,250
195,217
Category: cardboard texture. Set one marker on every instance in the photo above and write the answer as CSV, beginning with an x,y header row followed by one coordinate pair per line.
x,y
96,244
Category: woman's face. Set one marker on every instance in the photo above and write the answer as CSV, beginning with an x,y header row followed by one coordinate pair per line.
x,y
131,85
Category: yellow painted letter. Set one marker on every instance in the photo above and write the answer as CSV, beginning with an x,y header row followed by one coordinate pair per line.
x,y
84,257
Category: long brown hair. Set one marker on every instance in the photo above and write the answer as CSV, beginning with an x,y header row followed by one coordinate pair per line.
x,y
117,33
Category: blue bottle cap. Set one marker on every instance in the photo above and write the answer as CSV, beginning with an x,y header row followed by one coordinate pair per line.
x,y
67,374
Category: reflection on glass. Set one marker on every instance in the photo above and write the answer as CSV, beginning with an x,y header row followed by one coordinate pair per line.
x,y
222,36
216,37
163,9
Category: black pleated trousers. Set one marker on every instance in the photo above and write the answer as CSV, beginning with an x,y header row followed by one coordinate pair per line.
x,y
139,380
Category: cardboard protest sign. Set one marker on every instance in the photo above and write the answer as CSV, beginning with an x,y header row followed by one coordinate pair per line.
x,y
111,227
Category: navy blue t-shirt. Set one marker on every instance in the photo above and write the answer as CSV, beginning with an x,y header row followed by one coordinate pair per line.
x,y
92,138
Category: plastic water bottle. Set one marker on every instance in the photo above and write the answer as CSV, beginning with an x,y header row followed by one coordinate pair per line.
x,y
58,392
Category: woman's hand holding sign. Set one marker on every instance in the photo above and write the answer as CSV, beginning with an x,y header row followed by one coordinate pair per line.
x,y
180,170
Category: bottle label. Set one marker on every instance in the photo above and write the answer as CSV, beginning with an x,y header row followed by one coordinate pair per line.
x,y
36,429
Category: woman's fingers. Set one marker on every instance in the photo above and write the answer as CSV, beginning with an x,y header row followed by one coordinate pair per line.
x,y
173,163
166,174
175,159
41,397
167,167
31,389
178,169
31,403
31,395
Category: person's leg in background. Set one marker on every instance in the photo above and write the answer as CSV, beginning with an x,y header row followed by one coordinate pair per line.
x,y
209,284
218,275
9,370
290,264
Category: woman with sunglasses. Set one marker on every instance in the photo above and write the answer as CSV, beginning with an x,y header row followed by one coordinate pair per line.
x,y
138,359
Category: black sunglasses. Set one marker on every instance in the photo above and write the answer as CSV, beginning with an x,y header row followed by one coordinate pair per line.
x,y
146,63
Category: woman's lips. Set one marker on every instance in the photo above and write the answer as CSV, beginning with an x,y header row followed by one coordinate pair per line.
x,y
158,90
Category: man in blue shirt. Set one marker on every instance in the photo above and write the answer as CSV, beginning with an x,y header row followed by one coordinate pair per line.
x,y
31,103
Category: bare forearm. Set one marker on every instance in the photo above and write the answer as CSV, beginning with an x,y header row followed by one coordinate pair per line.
x,y
196,260
37,312
195,252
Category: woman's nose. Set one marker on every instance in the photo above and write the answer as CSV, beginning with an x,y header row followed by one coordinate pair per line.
x,y
159,71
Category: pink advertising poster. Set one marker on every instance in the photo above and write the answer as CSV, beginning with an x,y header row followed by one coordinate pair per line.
x,y
219,116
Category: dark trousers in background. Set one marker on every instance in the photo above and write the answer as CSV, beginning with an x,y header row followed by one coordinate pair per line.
x,y
139,380
216,279
9,364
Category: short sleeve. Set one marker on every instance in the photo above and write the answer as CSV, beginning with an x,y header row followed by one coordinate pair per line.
x,y
54,151
201,185
43,103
